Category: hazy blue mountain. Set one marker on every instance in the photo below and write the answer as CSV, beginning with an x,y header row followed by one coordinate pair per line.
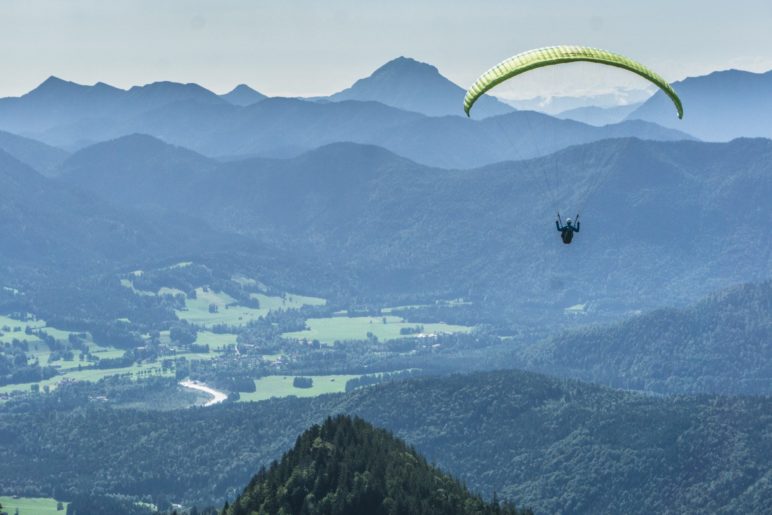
x,y
53,224
274,127
717,107
66,114
411,85
598,116
43,158
660,220
243,95
56,102
556,445
282,127
72,116
452,142
59,230
135,170
556,104
721,345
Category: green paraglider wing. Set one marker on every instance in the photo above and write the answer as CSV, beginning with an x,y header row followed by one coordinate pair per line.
x,y
548,56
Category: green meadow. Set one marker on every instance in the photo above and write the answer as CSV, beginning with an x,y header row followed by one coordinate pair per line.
x,y
136,371
15,330
281,386
31,505
38,350
226,310
341,328
216,341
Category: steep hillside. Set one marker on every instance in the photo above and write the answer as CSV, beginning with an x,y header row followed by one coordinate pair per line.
x,y
43,158
135,170
723,344
53,224
553,445
347,466
65,245
717,107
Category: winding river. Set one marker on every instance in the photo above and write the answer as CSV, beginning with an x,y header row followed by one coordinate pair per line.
x,y
217,396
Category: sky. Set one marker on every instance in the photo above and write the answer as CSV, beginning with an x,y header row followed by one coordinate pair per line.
x,y
313,47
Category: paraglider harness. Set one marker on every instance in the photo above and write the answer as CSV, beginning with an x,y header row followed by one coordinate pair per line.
x,y
566,232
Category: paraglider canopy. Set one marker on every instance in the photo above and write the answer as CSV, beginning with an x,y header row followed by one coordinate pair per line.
x,y
549,56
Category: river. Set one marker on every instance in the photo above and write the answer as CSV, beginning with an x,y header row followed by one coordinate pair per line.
x,y
217,396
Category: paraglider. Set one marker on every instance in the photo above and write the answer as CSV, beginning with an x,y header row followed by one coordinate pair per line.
x,y
553,55
567,231
556,55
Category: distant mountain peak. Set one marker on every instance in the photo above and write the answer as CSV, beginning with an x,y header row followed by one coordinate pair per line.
x,y
165,92
243,95
242,88
412,85
166,85
52,81
404,64
55,85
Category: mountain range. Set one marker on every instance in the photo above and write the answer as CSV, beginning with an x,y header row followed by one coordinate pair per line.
x,y
424,123
404,106
650,211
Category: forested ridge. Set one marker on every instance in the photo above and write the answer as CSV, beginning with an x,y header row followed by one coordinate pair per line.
x,y
346,466
553,445
393,226
722,344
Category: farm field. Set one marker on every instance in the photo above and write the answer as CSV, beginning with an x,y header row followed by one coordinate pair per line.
x,y
281,386
330,330
288,301
15,330
228,312
137,371
32,505
216,341
41,352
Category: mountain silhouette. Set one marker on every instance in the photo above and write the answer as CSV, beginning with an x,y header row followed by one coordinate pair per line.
x,y
348,466
411,85
717,107
243,95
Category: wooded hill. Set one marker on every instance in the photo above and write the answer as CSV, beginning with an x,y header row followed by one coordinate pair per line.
x,y
346,466
722,344
553,445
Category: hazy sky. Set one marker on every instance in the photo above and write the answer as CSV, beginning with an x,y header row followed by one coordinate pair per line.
x,y
286,47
